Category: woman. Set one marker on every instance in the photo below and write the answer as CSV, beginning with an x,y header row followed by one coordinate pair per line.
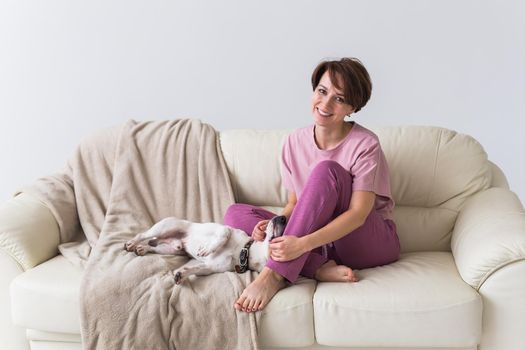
x,y
339,202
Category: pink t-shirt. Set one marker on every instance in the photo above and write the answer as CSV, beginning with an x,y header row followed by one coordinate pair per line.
x,y
359,152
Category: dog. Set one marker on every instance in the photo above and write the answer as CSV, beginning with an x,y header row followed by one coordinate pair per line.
x,y
212,247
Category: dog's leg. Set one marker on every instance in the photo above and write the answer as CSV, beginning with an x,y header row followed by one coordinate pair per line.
x,y
163,228
142,249
192,267
132,244
163,248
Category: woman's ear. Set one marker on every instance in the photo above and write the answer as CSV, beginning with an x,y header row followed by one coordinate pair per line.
x,y
350,112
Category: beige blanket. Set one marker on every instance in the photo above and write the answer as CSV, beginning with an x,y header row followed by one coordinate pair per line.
x,y
118,183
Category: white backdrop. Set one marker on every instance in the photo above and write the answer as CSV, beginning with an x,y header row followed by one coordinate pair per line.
x,y
70,67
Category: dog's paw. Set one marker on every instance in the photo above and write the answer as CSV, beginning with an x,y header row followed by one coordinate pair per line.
x,y
178,277
130,245
203,251
141,249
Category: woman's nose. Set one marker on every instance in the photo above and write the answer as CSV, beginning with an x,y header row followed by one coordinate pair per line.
x,y
326,101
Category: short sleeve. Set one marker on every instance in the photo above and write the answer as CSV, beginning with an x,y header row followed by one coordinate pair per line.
x,y
368,170
286,171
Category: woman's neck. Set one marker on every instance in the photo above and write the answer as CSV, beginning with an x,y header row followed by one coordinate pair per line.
x,y
328,138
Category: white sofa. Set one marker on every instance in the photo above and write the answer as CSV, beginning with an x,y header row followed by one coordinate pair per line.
x,y
459,284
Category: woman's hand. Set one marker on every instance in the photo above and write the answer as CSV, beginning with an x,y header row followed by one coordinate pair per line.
x,y
258,233
286,248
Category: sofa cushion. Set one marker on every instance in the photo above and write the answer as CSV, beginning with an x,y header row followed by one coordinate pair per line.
x,y
430,166
434,228
253,161
288,320
433,170
45,298
417,301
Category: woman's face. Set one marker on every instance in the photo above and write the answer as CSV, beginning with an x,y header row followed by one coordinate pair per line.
x,y
329,107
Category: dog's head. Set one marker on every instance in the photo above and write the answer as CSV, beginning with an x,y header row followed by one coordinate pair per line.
x,y
275,227
260,251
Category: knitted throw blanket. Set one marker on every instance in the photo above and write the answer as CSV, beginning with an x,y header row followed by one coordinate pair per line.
x,y
117,184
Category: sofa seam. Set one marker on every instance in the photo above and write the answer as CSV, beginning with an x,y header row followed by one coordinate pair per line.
x,y
434,170
447,209
487,275
424,207
224,166
403,311
290,308
231,174
420,207
234,175
56,341
14,257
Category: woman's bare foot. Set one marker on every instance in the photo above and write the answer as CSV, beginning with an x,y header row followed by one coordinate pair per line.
x,y
257,295
331,272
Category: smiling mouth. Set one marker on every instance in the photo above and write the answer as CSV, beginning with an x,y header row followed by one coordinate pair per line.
x,y
322,113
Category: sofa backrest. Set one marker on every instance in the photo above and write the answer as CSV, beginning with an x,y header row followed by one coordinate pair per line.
x,y
432,172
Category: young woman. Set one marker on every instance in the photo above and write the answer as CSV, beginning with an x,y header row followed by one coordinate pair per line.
x,y
339,202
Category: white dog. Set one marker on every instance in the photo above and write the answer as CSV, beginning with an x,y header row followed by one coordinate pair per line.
x,y
212,247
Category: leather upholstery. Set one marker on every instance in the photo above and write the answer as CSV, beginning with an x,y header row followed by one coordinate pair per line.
x,y
404,304
46,297
462,237
489,234
28,231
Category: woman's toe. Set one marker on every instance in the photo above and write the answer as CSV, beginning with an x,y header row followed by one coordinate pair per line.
x,y
239,303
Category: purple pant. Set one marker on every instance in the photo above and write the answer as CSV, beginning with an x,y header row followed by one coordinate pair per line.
x,y
325,196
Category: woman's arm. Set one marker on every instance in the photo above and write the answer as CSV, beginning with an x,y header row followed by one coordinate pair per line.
x,y
292,201
288,247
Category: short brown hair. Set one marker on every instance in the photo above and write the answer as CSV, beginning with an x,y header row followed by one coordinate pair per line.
x,y
357,86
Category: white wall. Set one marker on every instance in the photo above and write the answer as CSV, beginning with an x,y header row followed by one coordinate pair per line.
x,y
70,67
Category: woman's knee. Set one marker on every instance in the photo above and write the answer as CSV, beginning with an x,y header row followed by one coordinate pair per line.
x,y
238,214
234,212
326,167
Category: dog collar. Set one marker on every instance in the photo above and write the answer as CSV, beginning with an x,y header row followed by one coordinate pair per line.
x,y
243,258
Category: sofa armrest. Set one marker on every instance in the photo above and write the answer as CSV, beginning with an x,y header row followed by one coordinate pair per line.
x,y
29,233
489,234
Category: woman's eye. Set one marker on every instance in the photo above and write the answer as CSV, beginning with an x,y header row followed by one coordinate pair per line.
x,y
322,91
340,99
